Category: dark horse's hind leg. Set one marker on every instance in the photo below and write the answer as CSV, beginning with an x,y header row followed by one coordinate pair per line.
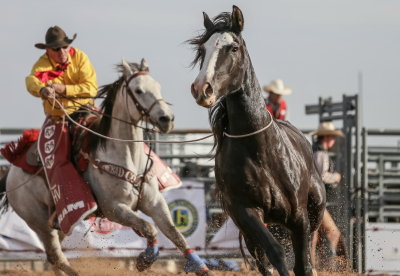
x,y
301,245
259,255
254,231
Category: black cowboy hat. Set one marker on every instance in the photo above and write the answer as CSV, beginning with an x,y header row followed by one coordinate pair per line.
x,y
55,38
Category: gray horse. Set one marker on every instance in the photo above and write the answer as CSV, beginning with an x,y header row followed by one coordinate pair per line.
x,y
133,98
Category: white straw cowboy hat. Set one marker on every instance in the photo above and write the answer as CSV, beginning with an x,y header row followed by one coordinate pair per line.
x,y
277,87
55,38
327,128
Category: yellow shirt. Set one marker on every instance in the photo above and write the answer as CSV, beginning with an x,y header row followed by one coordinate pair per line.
x,y
79,80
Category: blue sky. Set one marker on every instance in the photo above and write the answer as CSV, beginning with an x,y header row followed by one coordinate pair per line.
x,y
317,48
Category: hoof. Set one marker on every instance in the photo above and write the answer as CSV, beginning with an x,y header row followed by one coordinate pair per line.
x,y
196,265
206,273
147,258
142,264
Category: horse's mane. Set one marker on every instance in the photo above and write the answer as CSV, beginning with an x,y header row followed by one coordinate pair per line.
x,y
222,23
218,120
109,93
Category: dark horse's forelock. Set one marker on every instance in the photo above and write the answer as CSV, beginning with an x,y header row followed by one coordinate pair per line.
x,y
109,93
222,23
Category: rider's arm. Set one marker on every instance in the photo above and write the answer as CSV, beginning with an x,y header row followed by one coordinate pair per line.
x,y
33,84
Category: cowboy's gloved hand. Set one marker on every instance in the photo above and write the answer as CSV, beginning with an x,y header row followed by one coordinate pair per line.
x,y
45,92
59,88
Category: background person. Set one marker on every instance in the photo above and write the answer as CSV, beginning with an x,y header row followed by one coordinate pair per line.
x,y
326,135
274,101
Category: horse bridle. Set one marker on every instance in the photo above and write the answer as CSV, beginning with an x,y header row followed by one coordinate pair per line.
x,y
145,112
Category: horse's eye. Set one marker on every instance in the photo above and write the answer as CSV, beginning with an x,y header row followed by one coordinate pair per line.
x,y
235,48
138,91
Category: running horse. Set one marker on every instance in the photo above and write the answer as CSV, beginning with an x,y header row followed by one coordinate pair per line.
x,y
263,167
134,97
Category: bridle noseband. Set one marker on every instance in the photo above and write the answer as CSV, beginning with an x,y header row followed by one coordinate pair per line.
x,y
144,112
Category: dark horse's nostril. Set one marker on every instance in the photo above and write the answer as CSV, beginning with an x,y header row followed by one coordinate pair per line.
x,y
164,119
208,90
193,90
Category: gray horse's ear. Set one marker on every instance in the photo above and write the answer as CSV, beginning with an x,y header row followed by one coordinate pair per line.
x,y
237,20
143,65
127,70
207,22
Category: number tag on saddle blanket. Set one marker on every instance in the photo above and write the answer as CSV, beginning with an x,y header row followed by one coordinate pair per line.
x,y
167,179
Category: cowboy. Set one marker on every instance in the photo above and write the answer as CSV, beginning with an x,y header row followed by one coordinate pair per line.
x,y
66,81
274,101
326,135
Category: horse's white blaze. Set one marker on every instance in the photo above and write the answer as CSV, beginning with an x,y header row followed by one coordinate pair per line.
x,y
212,47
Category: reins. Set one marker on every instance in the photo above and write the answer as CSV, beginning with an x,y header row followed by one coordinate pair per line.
x,y
141,109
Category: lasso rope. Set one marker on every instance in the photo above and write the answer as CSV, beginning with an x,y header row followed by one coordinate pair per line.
x,y
124,140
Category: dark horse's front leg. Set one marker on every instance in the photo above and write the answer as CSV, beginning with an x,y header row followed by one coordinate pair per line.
x,y
255,233
301,244
260,257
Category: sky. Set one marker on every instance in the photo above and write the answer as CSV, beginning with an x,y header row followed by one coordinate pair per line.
x,y
318,48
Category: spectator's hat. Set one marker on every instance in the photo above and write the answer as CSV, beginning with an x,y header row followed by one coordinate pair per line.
x,y
277,87
327,128
55,38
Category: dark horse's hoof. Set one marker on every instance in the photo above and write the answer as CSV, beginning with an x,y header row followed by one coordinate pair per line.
x,y
205,273
143,263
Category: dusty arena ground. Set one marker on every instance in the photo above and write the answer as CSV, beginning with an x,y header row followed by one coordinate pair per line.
x,y
112,267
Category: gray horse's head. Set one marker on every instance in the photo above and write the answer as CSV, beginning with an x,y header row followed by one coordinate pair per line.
x,y
145,94
222,55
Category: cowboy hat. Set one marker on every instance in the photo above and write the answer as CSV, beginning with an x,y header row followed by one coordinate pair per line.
x,y
327,128
55,38
277,87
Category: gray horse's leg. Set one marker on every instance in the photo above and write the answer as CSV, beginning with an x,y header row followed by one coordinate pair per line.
x,y
156,207
34,210
124,215
159,212
51,242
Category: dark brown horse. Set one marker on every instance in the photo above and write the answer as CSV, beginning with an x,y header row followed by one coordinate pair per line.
x,y
264,167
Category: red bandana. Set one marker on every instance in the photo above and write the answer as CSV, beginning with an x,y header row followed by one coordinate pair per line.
x,y
45,76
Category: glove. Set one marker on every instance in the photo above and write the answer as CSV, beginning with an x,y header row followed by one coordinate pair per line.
x,y
45,92
59,88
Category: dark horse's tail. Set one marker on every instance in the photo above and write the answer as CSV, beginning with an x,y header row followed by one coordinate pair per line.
x,y
3,194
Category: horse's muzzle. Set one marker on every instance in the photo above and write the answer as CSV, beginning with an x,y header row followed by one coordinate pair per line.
x,y
203,94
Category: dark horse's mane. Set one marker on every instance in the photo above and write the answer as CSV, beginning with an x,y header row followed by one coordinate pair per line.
x,y
217,113
109,93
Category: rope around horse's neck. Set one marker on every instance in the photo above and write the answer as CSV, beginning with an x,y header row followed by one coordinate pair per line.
x,y
252,133
126,140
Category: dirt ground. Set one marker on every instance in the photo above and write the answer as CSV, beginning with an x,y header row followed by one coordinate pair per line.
x,y
114,267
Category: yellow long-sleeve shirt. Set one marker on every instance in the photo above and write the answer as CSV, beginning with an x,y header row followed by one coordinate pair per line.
x,y
79,79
